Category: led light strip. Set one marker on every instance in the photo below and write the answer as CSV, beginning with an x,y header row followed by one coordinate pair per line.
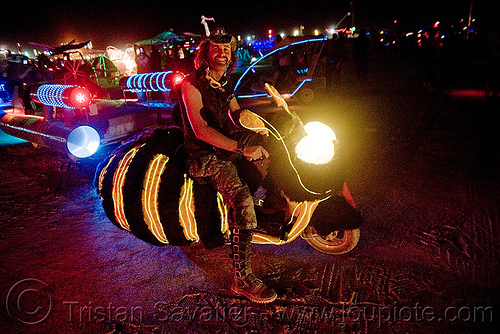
x,y
186,210
303,215
150,189
223,213
303,219
274,51
38,133
51,95
147,82
118,181
103,173
249,96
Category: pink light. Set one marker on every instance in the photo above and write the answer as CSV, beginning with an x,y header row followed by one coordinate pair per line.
x,y
177,79
467,93
80,97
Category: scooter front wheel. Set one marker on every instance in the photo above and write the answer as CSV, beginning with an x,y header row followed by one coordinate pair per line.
x,y
335,243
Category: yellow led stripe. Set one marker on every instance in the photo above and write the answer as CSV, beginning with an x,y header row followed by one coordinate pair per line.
x,y
223,213
261,238
103,172
118,181
150,189
186,210
303,211
303,219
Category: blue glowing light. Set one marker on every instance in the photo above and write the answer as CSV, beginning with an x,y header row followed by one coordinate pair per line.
x,y
250,68
147,82
62,96
83,141
249,96
52,95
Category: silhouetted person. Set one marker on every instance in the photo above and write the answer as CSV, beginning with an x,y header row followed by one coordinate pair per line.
x,y
360,53
336,56
493,73
155,59
143,66
143,62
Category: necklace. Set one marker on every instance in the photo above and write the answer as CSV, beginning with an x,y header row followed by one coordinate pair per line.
x,y
214,83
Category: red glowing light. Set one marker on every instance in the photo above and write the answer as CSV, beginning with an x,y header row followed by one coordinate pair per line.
x,y
80,97
177,79
436,25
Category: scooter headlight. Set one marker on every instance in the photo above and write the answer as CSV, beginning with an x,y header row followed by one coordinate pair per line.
x,y
318,146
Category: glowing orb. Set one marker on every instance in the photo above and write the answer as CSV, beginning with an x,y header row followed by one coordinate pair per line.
x,y
80,97
320,129
317,147
83,141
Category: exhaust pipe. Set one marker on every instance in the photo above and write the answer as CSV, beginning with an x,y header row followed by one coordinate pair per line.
x,y
81,141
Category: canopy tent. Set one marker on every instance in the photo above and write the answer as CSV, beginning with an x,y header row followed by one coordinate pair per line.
x,y
105,68
167,36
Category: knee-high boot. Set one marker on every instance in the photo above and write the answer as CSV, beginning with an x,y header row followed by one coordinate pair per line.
x,y
244,281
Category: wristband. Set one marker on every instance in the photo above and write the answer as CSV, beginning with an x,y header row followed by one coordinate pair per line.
x,y
239,148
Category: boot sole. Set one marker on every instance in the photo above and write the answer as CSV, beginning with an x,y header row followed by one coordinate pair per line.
x,y
253,298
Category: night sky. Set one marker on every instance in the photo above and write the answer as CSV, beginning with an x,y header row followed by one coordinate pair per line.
x,y
121,22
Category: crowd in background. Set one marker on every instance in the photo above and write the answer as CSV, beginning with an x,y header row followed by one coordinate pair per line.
x,y
446,58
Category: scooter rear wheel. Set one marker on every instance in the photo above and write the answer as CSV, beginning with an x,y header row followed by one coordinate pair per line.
x,y
336,243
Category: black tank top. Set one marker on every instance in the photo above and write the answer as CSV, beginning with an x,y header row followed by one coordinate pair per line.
x,y
215,112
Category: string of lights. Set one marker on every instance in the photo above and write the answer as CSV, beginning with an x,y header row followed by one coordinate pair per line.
x,y
62,96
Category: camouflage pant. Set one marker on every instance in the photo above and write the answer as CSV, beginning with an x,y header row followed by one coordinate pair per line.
x,y
223,176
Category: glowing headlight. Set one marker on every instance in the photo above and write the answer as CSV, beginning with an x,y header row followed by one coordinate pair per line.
x,y
318,146
83,141
320,129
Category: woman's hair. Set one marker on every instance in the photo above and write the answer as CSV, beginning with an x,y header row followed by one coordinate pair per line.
x,y
201,59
